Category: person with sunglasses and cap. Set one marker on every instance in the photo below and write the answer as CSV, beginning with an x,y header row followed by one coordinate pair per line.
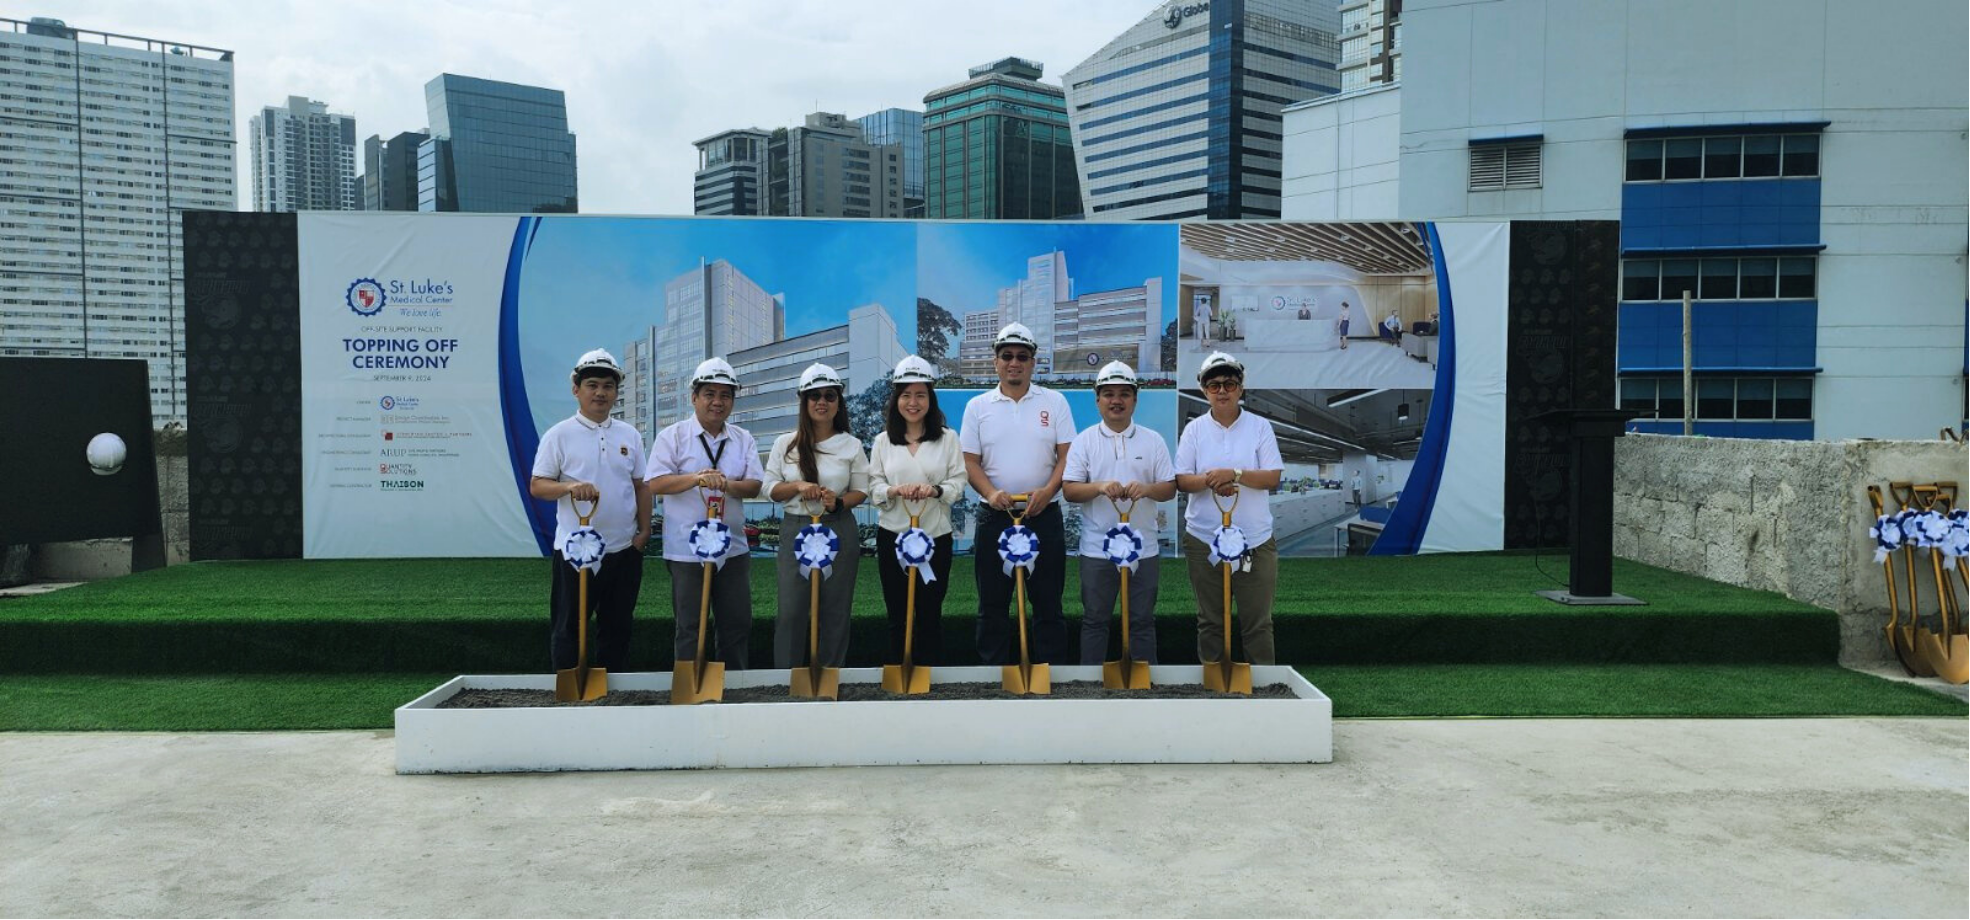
x,y
1233,454
915,463
1015,440
587,458
699,456
817,468
1117,462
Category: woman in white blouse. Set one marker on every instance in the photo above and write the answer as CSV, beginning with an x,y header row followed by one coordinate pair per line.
x,y
818,466
915,463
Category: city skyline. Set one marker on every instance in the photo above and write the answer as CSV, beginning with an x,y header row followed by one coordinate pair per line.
x,y
636,155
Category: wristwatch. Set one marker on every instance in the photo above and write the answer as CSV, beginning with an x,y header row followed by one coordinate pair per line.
x,y
937,491
1237,474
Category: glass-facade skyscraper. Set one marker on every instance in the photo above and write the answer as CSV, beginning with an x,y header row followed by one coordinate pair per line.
x,y
904,128
496,146
1179,117
997,147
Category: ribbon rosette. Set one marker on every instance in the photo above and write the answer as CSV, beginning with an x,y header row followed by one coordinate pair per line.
x,y
1928,529
1123,546
1228,545
1957,545
1019,546
913,551
815,548
710,540
584,549
1887,534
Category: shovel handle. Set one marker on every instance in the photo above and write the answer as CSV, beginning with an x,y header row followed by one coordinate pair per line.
x,y
704,614
1018,512
1120,510
1218,500
576,504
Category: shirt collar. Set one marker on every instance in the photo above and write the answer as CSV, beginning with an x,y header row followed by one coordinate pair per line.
x,y
594,426
1124,434
1234,422
695,428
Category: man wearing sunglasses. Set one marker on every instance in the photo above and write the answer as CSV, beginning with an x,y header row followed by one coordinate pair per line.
x,y
1015,441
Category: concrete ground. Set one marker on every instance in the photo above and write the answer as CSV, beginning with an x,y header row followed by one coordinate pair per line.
x,y
1811,817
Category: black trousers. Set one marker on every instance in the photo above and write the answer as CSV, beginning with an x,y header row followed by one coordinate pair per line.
x,y
1046,626
927,638
611,595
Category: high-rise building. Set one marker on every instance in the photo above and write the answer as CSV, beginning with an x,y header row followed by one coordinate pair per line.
x,y
390,171
1076,333
1179,117
109,140
996,147
1801,176
862,350
903,127
731,177
494,146
713,309
304,158
826,168
1371,43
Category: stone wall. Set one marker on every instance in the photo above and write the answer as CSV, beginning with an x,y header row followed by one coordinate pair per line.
x,y
1784,516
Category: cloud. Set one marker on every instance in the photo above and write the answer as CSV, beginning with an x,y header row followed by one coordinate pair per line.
x,y
642,80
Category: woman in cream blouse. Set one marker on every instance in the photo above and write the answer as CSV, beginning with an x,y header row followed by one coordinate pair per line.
x,y
818,465
915,463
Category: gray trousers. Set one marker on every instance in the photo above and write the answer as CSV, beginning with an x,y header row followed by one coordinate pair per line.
x,y
1251,595
837,594
1101,584
731,610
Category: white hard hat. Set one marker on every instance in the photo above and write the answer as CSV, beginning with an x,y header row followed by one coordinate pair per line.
x,y
1218,360
913,370
819,377
1015,334
714,370
599,359
1115,372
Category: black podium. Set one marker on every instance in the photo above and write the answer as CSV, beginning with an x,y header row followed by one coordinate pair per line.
x,y
1590,581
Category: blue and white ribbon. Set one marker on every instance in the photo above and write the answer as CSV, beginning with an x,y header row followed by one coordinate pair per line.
x,y
584,549
815,548
1927,529
1957,545
710,540
914,547
1123,546
1887,534
1228,545
1019,546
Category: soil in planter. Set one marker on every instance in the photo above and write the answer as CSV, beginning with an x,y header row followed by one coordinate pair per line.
x,y
1074,690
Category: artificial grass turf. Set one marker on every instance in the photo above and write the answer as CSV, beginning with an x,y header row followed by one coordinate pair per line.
x,y
261,702
489,616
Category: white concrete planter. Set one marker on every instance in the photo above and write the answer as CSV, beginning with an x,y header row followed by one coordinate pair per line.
x,y
821,734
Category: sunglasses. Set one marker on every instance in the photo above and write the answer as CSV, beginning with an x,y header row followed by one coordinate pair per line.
x,y
824,396
1223,386
1015,357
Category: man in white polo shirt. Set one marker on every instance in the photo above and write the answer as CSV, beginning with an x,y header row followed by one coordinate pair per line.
x,y
1117,461
1232,453
1015,441
590,457
699,456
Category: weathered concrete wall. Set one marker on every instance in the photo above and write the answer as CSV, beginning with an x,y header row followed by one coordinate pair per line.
x,y
1784,516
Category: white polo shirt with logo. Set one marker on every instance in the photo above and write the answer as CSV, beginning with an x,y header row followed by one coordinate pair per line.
x,y
1099,454
677,449
610,455
1017,441
1247,444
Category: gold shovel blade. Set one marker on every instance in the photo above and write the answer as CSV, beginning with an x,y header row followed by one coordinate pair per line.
x,y
1909,650
567,685
572,685
911,682
1125,675
1034,680
1240,680
807,685
687,686
1948,655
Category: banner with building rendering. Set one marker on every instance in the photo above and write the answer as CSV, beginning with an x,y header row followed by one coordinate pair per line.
x,y
436,348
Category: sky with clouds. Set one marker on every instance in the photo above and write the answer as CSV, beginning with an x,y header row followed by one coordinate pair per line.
x,y
643,80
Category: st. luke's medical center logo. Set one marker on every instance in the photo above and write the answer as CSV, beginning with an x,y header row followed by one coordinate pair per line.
x,y
366,297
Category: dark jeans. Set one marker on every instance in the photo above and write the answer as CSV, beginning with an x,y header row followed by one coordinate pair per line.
x,y
927,637
611,594
1046,627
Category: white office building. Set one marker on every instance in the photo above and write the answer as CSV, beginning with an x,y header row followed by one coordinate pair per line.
x,y
109,140
304,158
1179,117
862,350
1799,168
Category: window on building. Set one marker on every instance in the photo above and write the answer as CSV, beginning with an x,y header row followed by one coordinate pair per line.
x,y
1737,156
1497,166
1749,278
1740,399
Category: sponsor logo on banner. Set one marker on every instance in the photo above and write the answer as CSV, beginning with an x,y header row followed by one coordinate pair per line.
x,y
401,403
401,485
366,297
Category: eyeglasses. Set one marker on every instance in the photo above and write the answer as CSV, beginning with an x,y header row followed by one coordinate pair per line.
x,y
1015,357
1223,386
824,396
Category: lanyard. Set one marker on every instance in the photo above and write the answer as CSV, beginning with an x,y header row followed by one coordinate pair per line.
x,y
714,454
